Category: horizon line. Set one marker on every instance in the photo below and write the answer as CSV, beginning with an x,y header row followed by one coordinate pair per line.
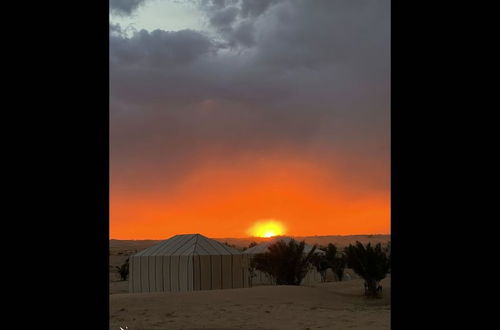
x,y
245,237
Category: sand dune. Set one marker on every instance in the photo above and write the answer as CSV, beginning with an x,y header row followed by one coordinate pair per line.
x,y
340,241
334,305
126,247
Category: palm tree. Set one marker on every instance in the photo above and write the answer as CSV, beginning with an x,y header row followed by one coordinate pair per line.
x,y
371,263
335,260
285,263
338,266
330,252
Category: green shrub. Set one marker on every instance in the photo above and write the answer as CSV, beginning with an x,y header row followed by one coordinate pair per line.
x,y
371,263
123,270
335,260
338,266
285,263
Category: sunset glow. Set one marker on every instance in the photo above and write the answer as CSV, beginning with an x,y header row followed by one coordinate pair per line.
x,y
249,118
227,199
266,228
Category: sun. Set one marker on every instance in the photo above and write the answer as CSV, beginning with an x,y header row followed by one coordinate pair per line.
x,y
266,228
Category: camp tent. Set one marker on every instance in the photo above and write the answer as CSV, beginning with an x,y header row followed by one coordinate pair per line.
x,y
186,263
260,278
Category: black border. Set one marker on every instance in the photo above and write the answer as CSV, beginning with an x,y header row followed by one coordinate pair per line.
x,y
60,67
63,166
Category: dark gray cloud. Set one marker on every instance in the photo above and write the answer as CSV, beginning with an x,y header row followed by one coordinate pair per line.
x,y
241,35
125,7
159,48
214,5
234,20
302,78
255,8
224,17
115,30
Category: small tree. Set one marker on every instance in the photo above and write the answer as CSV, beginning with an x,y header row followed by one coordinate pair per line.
x,y
330,252
123,270
336,260
371,263
285,263
338,266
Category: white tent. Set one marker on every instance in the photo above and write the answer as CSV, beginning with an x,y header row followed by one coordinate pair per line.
x,y
186,263
260,278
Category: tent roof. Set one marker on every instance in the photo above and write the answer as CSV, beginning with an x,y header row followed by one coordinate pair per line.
x,y
264,246
189,244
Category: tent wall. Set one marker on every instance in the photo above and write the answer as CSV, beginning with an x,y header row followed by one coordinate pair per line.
x,y
312,277
260,278
237,274
180,273
165,273
216,269
330,275
161,273
212,272
241,275
227,271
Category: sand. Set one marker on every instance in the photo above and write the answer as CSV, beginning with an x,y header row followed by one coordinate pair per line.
x,y
333,305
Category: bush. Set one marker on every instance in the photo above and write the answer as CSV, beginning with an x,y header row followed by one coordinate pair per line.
x,y
338,267
371,263
123,270
335,261
285,263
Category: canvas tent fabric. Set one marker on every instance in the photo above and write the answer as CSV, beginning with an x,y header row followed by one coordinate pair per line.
x,y
187,263
260,278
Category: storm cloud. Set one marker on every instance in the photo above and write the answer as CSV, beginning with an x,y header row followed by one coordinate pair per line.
x,y
125,7
299,79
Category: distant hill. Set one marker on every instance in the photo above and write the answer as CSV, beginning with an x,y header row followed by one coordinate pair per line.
x,y
126,247
338,240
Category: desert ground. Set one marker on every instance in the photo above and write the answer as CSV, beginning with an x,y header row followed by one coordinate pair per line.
x,y
332,305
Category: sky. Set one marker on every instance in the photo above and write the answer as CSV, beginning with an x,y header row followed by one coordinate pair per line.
x,y
225,114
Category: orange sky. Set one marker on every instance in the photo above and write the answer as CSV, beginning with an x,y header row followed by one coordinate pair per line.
x,y
224,199
279,112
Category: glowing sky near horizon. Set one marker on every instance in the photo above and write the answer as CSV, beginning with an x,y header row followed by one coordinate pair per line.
x,y
230,116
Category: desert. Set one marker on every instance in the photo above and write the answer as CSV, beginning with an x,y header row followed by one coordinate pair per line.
x,y
328,305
